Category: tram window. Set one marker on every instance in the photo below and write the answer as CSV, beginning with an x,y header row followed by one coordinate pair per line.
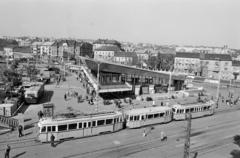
x,y
72,126
53,128
120,119
173,110
43,129
156,115
204,108
131,118
192,109
100,122
187,110
161,114
49,128
109,121
142,117
85,125
89,124
93,123
62,127
150,116
80,125
136,118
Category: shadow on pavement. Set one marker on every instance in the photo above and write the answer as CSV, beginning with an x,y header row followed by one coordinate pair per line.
x,y
20,154
47,97
29,126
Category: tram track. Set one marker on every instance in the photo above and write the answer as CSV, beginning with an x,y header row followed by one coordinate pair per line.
x,y
135,147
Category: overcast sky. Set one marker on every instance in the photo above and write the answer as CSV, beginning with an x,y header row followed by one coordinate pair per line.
x,y
182,22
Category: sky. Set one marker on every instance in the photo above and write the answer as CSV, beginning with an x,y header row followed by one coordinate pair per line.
x,y
163,22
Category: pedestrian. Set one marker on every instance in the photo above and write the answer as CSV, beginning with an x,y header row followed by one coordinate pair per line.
x,y
20,128
7,152
40,114
144,132
65,96
52,140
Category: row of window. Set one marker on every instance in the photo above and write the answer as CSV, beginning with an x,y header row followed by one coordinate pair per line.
x,y
195,109
81,125
149,116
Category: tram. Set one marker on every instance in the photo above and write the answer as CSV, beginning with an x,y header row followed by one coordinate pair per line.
x,y
147,116
94,124
34,93
196,110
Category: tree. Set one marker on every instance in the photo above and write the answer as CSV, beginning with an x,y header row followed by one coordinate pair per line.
x,y
236,153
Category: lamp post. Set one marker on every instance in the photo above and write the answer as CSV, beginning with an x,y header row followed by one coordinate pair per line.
x,y
219,80
169,82
97,97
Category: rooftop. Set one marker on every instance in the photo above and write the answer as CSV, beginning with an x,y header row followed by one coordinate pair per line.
x,y
187,55
125,54
108,48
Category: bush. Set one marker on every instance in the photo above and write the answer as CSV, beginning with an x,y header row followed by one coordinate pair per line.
x,y
149,99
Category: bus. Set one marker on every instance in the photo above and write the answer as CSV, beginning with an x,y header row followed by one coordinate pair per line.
x,y
197,110
83,126
147,116
34,93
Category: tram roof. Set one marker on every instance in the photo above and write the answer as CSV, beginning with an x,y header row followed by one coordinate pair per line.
x,y
147,110
193,105
62,120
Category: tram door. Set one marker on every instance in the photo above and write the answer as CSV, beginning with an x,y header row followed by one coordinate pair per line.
x,y
50,129
87,128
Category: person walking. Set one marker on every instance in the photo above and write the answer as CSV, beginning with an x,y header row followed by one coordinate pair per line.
x,y
144,132
7,152
65,96
20,129
52,140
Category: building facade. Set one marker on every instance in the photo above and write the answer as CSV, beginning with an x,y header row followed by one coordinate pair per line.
x,y
126,58
188,63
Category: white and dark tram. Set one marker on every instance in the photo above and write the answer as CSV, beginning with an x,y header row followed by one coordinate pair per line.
x,y
147,116
63,128
196,110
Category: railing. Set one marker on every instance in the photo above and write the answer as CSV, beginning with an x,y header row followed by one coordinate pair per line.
x,y
8,122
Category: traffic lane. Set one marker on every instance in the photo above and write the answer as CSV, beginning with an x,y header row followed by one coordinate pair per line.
x,y
132,135
118,147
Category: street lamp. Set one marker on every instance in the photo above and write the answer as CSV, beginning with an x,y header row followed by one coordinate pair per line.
x,y
219,80
98,84
169,82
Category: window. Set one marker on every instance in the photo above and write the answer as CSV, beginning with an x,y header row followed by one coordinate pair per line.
x,y
204,108
43,129
62,127
72,126
89,124
93,123
109,121
161,114
85,125
174,110
187,110
142,117
192,109
53,128
156,115
100,122
150,116
131,118
49,128
136,118
80,125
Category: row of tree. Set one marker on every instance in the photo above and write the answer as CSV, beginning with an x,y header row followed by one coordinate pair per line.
x,y
161,62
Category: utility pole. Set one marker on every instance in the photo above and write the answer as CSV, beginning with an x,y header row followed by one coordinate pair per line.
x,y
187,141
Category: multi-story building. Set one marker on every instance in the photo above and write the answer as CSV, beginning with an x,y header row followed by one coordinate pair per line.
x,y
67,49
187,63
126,58
105,52
45,48
142,56
236,69
36,47
106,43
207,65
